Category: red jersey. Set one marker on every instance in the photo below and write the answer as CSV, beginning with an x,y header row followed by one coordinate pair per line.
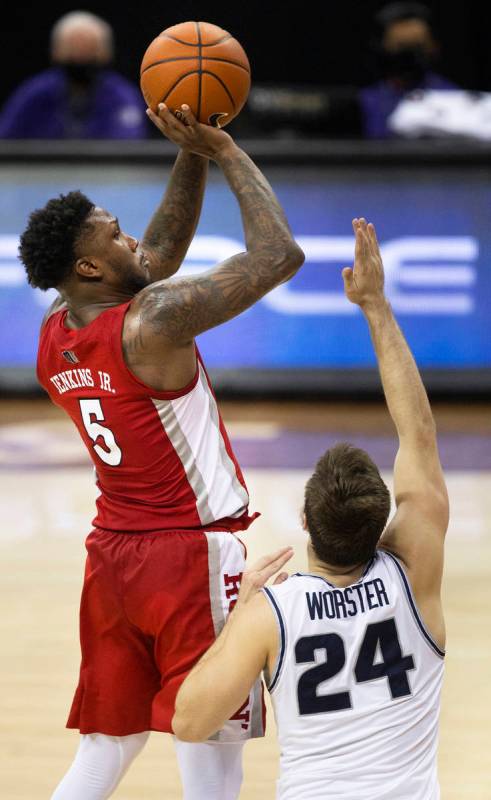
x,y
163,460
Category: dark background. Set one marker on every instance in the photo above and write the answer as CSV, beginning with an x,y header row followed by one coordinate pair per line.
x,y
326,43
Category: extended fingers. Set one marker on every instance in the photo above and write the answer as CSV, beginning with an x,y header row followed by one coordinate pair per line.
x,y
372,236
268,566
271,558
279,562
361,247
365,239
281,578
155,119
168,118
180,127
368,228
186,116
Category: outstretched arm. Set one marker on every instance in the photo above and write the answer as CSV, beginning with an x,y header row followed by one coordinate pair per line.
x,y
179,310
417,531
172,227
168,315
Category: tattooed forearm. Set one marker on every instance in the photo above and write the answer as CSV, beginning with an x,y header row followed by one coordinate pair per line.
x,y
182,308
264,221
172,226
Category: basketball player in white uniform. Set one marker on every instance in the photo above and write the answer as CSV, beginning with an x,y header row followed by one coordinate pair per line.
x,y
353,650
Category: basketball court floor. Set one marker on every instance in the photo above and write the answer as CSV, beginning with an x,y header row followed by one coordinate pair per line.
x,y
47,499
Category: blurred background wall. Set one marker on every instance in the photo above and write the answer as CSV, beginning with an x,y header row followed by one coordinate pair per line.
x,y
427,189
308,42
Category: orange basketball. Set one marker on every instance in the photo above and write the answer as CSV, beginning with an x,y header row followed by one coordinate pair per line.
x,y
199,64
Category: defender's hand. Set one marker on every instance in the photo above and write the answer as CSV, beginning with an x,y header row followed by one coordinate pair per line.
x,y
261,571
364,282
183,129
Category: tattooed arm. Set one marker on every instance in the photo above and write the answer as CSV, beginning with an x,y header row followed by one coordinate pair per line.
x,y
174,223
182,308
166,316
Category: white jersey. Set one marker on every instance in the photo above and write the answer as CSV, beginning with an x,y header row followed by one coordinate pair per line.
x,y
356,688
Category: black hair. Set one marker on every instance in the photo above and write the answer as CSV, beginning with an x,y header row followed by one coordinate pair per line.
x,y
397,12
47,246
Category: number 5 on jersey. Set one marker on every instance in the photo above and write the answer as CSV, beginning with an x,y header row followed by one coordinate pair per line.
x,y
110,453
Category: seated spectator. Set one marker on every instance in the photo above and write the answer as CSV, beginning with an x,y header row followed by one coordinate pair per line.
x,y
407,50
79,97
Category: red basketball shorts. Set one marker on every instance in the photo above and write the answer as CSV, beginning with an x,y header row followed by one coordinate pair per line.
x,y
151,605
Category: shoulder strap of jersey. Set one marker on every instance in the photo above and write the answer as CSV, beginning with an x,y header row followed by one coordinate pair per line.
x,y
408,593
282,637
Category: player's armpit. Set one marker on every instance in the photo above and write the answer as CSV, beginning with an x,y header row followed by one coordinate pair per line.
x,y
218,685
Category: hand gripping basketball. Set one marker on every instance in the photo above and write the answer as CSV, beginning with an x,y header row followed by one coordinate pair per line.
x,y
199,64
189,134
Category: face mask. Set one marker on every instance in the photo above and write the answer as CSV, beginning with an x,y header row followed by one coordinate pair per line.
x,y
84,74
409,65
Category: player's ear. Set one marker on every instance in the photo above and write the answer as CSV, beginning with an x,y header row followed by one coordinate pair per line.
x,y
304,522
87,269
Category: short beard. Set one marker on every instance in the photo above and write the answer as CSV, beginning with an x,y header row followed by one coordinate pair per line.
x,y
135,283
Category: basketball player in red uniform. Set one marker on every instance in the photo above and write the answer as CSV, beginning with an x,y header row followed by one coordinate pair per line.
x,y
117,353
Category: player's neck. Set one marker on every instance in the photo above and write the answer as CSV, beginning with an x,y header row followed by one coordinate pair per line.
x,y
82,309
339,576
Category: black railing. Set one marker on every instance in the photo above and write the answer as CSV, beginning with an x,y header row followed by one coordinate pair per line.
x,y
327,152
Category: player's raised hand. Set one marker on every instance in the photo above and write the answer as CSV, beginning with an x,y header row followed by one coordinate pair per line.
x,y
261,571
364,282
182,128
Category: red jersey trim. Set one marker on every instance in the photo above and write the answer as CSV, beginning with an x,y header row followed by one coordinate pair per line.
x,y
224,525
